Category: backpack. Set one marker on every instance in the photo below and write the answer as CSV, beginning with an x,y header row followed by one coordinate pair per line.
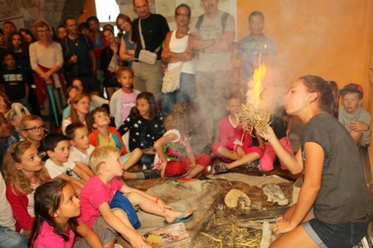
x,y
223,21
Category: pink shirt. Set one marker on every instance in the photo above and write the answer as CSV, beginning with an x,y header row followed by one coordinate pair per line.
x,y
229,133
128,101
93,195
48,238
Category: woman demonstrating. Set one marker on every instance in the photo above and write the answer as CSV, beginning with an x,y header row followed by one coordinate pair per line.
x,y
333,201
127,46
177,53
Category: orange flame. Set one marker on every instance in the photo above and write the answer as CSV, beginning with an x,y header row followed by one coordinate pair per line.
x,y
259,73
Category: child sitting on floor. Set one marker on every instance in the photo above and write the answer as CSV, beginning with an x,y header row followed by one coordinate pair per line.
x,y
104,135
145,126
175,154
57,146
99,190
71,92
56,219
80,148
235,147
23,172
353,116
33,129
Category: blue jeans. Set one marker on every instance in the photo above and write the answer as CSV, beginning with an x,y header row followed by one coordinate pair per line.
x,y
336,235
183,94
11,239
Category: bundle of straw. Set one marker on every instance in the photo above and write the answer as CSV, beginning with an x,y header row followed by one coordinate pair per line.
x,y
254,118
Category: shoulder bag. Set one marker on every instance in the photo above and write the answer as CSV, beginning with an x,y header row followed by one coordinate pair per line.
x,y
146,56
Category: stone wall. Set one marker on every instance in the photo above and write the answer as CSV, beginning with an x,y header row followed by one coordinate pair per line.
x,y
53,11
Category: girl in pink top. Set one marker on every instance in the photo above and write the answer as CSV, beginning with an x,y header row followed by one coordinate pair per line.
x,y
56,222
236,145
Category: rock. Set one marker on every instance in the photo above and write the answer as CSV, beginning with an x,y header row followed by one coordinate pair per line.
x,y
275,194
236,198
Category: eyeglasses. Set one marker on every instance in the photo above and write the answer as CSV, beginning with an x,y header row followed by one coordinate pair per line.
x,y
35,129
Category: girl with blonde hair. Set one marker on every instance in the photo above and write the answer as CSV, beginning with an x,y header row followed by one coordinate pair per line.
x,y
23,171
175,155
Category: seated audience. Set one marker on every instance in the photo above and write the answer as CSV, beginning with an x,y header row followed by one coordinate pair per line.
x,y
55,226
99,191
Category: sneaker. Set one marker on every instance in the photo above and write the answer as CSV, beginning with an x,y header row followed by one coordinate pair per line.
x,y
117,246
152,174
219,168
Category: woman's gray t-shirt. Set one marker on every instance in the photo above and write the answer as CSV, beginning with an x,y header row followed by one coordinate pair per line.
x,y
343,195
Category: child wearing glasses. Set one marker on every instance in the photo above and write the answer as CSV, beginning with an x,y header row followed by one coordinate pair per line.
x,y
23,171
32,129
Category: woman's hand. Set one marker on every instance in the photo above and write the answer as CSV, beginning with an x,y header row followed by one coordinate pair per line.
x,y
282,226
268,134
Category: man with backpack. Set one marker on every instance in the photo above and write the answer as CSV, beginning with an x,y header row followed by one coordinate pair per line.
x,y
211,39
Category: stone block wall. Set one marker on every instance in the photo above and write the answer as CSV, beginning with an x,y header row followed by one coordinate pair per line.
x,y
53,11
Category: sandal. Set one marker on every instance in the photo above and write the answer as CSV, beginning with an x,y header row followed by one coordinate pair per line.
x,y
219,168
182,218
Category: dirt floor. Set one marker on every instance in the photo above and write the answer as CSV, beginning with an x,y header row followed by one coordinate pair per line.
x,y
214,224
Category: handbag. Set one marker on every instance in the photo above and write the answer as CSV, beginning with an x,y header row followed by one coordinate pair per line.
x,y
146,56
171,79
